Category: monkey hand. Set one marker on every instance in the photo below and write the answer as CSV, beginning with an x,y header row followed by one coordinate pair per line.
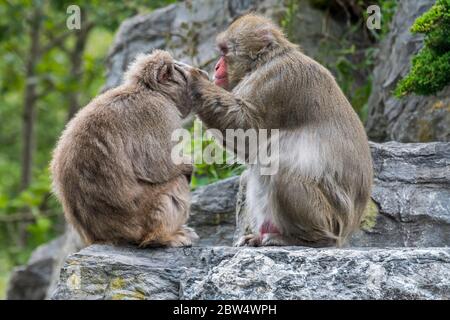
x,y
198,75
197,82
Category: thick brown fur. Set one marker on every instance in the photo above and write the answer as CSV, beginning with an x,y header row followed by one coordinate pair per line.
x,y
324,180
112,169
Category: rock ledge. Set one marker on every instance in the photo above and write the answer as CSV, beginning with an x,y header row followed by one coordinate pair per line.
x,y
106,272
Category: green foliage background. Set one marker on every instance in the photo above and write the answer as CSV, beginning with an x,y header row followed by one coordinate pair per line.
x,y
32,216
430,70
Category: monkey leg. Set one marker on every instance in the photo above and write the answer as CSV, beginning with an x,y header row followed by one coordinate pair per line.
x,y
254,218
304,215
165,218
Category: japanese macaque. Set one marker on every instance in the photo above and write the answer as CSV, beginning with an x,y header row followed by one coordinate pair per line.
x,y
112,167
323,183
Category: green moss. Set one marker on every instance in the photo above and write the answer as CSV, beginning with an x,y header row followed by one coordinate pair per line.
x,y
117,283
425,133
369,219
126,296
430,71
3,282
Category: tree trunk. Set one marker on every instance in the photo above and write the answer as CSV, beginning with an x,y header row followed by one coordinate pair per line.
x,y
30,98
76,70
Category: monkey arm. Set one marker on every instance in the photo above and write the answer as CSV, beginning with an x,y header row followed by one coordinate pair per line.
x,y
163,177
157,168
220,109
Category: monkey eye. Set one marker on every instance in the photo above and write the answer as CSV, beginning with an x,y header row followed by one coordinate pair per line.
x,y
223,49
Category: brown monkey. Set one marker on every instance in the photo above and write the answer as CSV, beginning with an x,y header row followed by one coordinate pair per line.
x,y
112,167
323,183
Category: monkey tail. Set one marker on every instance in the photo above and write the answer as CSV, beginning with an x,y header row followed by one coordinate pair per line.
x,y
343,218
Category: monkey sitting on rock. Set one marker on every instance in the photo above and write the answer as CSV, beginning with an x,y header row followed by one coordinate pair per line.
x,y
112,167
323,183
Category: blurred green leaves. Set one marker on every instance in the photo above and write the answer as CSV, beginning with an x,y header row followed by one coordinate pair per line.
x,y
430,71
32,216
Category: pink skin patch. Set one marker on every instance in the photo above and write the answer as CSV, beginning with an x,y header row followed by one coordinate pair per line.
x,y
220,73
268,227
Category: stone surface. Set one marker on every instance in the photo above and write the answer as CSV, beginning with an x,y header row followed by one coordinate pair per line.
x,y
412,118
38,278
412,196
213,212
31,281
188,30
412,191
104,272
71,243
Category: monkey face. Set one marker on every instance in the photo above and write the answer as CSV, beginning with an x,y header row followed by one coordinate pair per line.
x,y
221,74
230,70
241,47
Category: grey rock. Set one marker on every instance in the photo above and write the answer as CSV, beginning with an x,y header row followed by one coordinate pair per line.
x,y
212,212
105,272
188,30
37,279
412,118
71,243
31,281
219,197
412,191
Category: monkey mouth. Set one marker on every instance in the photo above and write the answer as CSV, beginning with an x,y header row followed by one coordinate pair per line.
x,y
220,81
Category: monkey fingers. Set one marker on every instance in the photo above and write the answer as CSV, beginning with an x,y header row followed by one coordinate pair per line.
x,y
183,237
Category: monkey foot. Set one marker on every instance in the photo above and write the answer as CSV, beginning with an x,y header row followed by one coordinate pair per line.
x,y
250,240
274,239
183,237
190,233
266,239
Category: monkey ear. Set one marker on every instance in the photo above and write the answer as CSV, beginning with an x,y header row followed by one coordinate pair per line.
x,y
165,72
267,37
265,40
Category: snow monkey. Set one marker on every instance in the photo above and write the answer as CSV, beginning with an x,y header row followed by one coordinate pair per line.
x,y
263,81
112,167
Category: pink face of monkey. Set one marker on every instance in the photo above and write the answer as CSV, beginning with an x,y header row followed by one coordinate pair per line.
x,y
220,73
